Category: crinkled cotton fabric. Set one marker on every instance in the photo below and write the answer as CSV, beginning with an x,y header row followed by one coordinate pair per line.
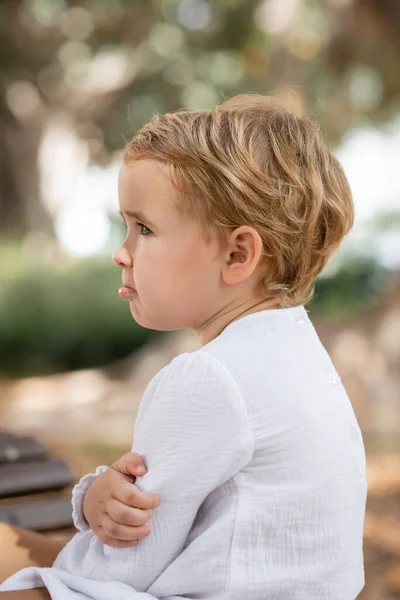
x,y
254,448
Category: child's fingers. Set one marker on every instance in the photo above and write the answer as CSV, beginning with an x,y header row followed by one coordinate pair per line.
x,y
130,463
109,541
123,532
131,496
127,515
119,543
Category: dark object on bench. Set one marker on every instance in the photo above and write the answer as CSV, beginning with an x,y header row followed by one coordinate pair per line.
x,y
34,476
26,467
20,448
41,515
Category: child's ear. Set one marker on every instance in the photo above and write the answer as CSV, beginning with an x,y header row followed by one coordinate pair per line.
x,y
242,254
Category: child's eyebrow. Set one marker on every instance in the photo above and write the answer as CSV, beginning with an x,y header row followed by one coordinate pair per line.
x,y
136,215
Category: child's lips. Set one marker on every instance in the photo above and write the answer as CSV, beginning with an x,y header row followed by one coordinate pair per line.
x,y
125,292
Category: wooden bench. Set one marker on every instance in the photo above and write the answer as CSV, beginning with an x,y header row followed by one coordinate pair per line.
x,y
35,487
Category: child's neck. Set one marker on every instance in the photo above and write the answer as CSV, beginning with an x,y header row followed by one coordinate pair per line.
x,y
217,324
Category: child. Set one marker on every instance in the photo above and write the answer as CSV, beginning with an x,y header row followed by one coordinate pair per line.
x,y
251,441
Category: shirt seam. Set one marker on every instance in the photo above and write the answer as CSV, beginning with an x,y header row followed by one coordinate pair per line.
x,y
160,374
229,563
233,378
230,374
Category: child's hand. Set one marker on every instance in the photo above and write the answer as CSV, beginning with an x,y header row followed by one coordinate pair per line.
x,y
117,510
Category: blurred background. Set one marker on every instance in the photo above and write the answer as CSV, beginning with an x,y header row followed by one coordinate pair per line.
x,y
77,79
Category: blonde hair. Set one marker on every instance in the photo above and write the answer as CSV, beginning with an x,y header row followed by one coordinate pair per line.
x,y
249,161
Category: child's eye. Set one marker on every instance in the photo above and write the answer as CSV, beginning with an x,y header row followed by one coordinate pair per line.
x,y
145,230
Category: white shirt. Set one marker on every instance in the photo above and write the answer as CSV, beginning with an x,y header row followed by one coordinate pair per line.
x,y
254,448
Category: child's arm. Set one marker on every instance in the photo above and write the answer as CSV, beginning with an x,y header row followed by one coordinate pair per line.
x,y
193,432
114,508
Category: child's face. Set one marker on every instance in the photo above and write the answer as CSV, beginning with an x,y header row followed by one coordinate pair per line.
x,y
175,275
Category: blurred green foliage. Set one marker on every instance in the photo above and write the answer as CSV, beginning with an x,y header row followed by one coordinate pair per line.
x,y
54,320
356,285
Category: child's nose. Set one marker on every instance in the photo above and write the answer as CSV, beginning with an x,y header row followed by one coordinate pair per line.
x,y
121,258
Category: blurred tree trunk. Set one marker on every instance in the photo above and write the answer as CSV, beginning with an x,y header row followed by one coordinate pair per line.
x,y
21,208
387,13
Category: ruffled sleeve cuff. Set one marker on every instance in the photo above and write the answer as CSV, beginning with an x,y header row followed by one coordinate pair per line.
x,y
78,496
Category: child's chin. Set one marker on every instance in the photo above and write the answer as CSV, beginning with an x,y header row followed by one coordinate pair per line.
x,y
134,313
140,319
149,323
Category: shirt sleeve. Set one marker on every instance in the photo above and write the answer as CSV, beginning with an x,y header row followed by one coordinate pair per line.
x,y
193,431
78,496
